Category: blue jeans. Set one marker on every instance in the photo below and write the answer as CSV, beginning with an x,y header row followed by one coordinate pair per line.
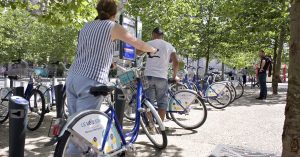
x,y
158,90
262,78
78,96
79,99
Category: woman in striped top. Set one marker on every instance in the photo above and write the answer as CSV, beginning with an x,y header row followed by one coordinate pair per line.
x,y
94,56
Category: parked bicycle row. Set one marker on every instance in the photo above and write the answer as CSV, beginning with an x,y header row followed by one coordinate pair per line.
x,y
187,98
39,91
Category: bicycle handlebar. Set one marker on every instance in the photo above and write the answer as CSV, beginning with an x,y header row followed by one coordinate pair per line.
x,y
16,61
150,56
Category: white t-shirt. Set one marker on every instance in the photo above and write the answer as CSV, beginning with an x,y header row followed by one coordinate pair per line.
x,y
158,67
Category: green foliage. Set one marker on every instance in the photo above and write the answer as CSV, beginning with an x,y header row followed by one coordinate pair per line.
x,y
230,30
23,36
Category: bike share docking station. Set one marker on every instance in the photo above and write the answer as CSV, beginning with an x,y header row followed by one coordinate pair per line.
x,y
18,109
57,122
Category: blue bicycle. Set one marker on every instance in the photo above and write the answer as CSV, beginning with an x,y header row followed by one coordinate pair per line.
x,y
48,91
34,96
217,94
100,134
186,108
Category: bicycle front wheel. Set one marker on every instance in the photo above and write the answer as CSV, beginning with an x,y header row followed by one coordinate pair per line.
x,y
219,95
36,110
5,94
153,126
187,109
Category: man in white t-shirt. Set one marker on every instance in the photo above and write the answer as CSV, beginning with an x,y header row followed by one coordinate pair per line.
x,y
157,71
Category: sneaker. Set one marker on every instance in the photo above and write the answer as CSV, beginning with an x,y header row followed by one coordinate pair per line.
x,y
151,130
169,130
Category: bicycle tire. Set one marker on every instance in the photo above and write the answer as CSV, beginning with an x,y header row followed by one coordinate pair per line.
x,y
241,93
156,121
60,146
233,92
66,112
224,104
34,108
181,121
6,93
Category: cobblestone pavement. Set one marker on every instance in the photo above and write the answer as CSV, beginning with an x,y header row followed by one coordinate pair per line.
x,y
248,123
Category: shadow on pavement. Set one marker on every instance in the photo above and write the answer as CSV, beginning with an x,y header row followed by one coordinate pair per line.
x,y
250,95
182,133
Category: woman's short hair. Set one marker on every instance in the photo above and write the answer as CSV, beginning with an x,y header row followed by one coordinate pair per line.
x,y
106,9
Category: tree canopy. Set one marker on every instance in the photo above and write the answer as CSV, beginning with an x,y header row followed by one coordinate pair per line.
x,y
232,31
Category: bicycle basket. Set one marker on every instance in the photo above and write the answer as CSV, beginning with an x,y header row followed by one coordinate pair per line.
x,y
127,77
41,72
128,80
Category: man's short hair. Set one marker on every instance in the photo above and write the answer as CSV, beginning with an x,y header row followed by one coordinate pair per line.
x,y
158,31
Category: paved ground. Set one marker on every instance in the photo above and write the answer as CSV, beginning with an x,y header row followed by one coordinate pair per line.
x,y
248,124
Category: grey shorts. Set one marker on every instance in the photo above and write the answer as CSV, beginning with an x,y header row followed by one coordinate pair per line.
x,y
158,90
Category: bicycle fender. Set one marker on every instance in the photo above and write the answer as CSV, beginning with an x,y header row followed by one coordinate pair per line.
x,y
72,120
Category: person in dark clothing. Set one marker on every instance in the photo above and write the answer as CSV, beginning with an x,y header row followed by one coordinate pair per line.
x,y
244,75
262,75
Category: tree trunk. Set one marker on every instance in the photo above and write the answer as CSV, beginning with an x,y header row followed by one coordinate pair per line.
x,y
223,71
207,59
198,65
291,129
277,66
274,63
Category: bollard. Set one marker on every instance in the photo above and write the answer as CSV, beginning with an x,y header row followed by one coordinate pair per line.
x,y
19,91
119,105
59,100
18,108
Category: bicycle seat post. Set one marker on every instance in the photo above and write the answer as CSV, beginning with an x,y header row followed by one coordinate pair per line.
x,y
5,82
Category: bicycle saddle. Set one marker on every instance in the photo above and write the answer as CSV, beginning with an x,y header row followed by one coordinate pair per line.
x,y
13,77
102,90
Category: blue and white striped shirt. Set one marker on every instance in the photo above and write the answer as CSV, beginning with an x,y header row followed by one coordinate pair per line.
x,y
94,51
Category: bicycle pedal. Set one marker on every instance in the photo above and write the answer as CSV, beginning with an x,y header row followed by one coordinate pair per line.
x,y
131,149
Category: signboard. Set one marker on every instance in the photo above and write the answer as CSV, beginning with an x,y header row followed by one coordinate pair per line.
x,y
127,50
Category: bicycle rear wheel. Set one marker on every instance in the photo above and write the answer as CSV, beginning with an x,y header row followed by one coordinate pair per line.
x,y
153,126
5,94
219,95
85,136
36,109
187,109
